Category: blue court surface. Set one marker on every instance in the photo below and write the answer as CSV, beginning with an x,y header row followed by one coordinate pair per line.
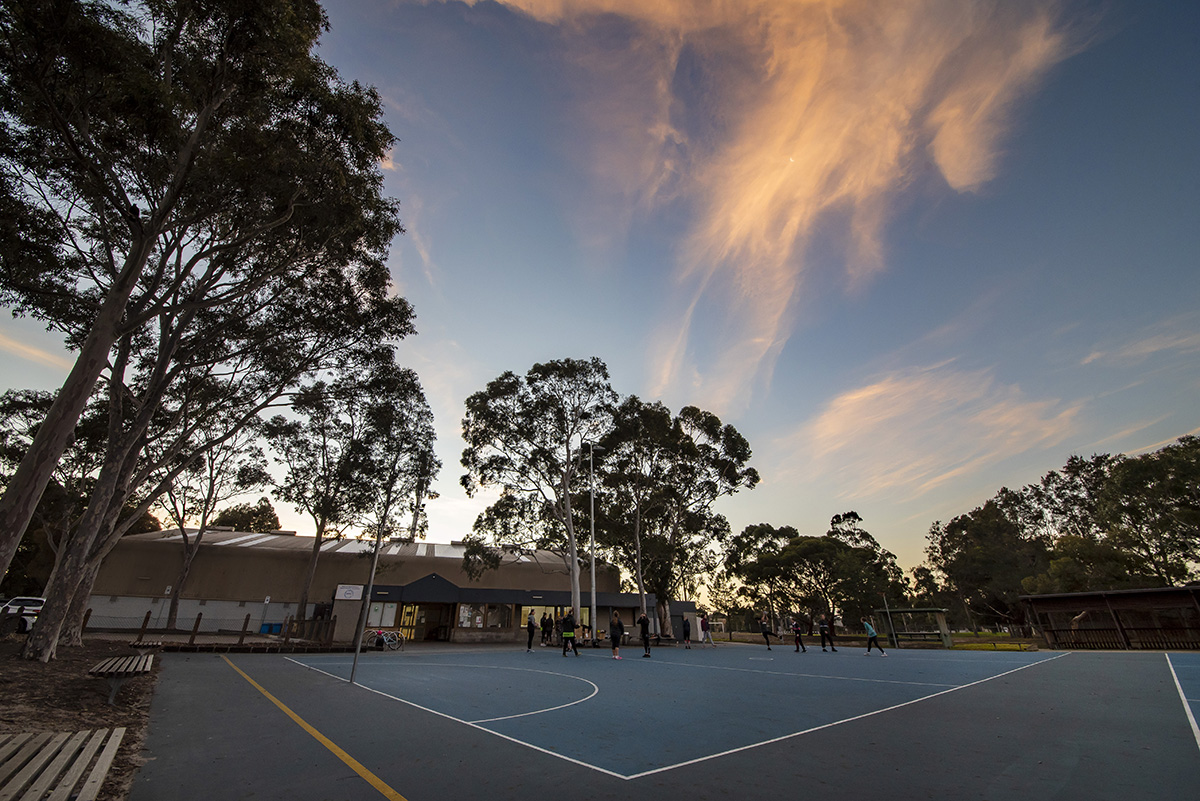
x,y
734,721
584,711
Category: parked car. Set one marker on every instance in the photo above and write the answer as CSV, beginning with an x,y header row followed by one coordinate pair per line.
x,y
27,606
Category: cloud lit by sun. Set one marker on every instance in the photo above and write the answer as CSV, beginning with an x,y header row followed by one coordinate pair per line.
x,y
774,119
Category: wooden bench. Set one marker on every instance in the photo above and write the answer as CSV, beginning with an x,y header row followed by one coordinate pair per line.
x,y
119,668
49,765
145,646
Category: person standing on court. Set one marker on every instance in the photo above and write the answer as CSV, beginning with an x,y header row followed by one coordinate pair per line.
x,y
568,634
765,626
872,638
531,627
796,632
687,632
826,631
547,624
616,631
705,632
644,624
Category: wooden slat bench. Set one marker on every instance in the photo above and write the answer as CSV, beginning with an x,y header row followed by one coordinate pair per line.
x,y
146,646
34,767
119,668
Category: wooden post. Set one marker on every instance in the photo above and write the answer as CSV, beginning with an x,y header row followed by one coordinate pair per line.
x,y
145,623
330,626
86,617
195,628
245,625
287,629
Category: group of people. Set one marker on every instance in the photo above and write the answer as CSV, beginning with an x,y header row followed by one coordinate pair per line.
x,y
824,629
564,629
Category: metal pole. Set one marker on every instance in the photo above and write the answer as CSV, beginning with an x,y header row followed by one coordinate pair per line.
x,y
592,520
891,627
366,602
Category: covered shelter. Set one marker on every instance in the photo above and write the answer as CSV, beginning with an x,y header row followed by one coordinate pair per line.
x,y
1149,619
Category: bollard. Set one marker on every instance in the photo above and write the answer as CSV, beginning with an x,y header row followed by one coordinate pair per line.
x,y
329,628
245,625
287,629
195,628
145,623
86,617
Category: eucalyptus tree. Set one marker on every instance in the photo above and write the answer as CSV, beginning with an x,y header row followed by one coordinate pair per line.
x,y
635,457
259,517
398,453
706,460
164,158
844,572
322,449
525,435
228,468
209,371
1150,508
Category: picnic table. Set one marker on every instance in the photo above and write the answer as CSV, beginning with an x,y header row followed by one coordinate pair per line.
x,y
118,669
34,766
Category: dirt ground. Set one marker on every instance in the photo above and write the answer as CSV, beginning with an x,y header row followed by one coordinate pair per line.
x,y
61,697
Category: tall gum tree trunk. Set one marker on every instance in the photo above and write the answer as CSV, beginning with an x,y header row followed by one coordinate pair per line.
x,y
663,613
72,629
302,609
189,553
73,568
24,491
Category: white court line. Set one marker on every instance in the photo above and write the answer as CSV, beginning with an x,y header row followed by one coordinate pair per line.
x,y
563,757
698,760
836,722
595,689
1187,708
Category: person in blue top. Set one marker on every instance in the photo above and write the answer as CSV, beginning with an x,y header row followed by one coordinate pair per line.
x,y
872,638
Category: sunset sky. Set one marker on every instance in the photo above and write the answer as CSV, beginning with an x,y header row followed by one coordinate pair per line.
x,y
913,251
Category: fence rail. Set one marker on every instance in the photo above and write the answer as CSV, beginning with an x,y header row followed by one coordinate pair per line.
x,y
1114,639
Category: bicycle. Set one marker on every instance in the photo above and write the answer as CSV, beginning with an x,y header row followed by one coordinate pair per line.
x,y
392,640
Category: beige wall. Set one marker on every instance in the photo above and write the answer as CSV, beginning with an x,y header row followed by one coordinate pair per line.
x,y
141,568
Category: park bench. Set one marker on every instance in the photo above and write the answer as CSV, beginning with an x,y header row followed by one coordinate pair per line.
x,y
49,765
146,646
119,668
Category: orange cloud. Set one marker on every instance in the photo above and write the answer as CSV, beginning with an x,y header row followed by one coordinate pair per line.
x,y
911,432
772,119
32,354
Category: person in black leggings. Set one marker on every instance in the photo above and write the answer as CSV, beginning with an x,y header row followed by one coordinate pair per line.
x,y
765,625
826,630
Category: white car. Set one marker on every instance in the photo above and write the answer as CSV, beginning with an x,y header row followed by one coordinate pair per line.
x,y
28,608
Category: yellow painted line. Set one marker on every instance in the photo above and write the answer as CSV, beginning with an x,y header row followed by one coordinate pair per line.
x,y
355,765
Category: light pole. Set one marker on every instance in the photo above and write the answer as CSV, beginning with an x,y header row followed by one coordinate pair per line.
x,y
592,448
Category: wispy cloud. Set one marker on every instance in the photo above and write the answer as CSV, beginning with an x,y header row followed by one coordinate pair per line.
x,y
910,432
32,354
1170,338
772,119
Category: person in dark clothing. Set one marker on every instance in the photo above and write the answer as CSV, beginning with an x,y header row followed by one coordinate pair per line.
x,y
568,634
796,632
616,631
765,625
687,632
644,624
872,638
547,625
531,627
825,628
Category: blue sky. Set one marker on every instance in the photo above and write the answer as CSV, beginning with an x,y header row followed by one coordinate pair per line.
x,y
914,252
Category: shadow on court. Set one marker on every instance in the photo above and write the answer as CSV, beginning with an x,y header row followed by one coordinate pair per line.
x,y
732,722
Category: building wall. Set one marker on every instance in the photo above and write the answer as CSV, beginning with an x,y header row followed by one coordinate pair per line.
x,y
234,575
